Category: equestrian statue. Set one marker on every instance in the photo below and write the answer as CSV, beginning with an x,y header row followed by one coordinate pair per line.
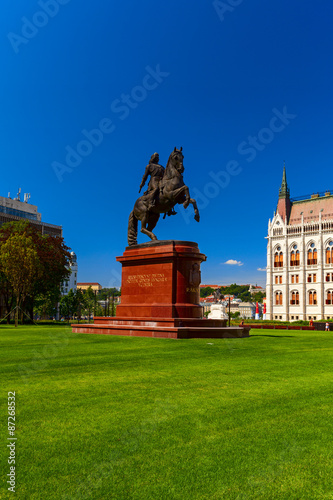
x,y
166,189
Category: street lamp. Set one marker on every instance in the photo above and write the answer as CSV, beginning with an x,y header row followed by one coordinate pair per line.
x,y
229,310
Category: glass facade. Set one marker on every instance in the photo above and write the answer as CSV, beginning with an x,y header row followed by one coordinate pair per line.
x,y
18,213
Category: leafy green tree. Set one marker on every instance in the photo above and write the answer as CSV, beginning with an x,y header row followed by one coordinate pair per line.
x,y
7,295
245,296
74,303
113,306
80,302
20,264
99,310
68,304
108,292
204,292
258,297
236,290
89,301
52,256
46,304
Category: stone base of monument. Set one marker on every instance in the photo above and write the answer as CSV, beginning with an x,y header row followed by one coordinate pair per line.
x,y
159,328
217,311
160,296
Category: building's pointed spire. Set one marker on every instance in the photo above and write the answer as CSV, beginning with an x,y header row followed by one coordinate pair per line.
x,y
284,203
284,190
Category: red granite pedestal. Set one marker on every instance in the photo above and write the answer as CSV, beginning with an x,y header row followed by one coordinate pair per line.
x,y
160,296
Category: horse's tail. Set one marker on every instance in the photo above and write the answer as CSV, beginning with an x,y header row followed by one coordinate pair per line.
x,y
132,233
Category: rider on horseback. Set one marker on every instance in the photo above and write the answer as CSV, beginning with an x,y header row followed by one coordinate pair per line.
x,y
156,173
165,190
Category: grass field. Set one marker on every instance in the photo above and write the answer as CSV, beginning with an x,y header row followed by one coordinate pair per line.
x,y
107,417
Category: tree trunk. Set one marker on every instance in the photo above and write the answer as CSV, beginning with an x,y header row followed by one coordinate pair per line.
x,y
18,304
29,307
8,298
16,316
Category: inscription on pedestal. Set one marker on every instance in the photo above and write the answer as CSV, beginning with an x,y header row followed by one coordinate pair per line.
x,y
161,281
146,280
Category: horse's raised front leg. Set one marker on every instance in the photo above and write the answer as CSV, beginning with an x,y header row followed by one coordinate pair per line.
x,y
178,195
187,197
196,210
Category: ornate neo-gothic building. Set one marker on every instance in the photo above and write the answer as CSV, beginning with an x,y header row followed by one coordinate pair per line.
x,y
300,257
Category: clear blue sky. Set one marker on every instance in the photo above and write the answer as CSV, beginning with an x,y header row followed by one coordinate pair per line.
x,y
218,78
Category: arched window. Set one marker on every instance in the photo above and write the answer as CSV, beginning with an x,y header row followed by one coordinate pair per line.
x,y
278,257
294,258
278,298
294,300
297,258
310,256
329,295
312,298
329,254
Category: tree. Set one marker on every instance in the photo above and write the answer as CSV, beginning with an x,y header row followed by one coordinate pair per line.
x,y
236,290
68,304
258,297
245,296
20,264
52,256
105,293
204,292
89,301
80,302
99,310
113,306
7,294
46,304
73,303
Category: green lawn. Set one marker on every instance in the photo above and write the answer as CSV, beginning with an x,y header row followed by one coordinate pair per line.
x,y
107,417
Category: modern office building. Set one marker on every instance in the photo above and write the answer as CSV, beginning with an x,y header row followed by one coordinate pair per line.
x,y
16,210
300,257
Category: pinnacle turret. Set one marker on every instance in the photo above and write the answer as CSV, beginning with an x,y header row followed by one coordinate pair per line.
x,y
284,190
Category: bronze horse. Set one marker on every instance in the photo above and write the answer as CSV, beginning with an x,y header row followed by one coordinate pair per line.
x,y
172,191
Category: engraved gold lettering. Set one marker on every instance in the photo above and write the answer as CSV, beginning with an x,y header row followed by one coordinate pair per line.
x,y
146,280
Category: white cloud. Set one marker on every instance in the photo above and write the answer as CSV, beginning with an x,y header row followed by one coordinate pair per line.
x,y
232,262
261,269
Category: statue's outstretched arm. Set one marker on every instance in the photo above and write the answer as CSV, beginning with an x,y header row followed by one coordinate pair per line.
x,y
144,178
